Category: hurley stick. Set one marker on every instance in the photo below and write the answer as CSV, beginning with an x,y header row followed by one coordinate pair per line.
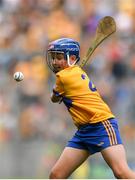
x,y
105,28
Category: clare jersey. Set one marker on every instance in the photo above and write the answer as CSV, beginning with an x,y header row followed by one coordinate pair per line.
x,y
81,96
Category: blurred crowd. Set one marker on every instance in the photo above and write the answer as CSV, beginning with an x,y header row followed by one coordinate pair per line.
x,y
33,131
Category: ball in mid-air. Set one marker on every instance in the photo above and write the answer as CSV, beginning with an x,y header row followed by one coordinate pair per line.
x,y
18,76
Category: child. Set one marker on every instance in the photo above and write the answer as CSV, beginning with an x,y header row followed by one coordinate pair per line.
x,y
97,128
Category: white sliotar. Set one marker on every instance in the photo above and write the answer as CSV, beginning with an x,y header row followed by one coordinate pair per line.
x,y
18,76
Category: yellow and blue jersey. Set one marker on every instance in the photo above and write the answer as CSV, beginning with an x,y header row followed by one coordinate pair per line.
x,y
81,96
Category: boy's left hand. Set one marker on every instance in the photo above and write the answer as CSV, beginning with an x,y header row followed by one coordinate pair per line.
x,y
56,98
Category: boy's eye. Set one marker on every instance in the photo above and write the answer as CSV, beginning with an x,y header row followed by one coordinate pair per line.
x,y
58,56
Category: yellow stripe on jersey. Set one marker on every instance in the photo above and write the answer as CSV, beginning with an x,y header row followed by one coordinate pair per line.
x,y
81,97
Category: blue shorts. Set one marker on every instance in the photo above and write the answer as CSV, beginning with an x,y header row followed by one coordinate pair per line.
x,y
96,137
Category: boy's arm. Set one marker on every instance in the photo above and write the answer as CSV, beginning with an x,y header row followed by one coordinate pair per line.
x,y
58,91
55,98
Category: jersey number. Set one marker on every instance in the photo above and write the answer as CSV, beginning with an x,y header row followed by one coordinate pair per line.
x,y
92,86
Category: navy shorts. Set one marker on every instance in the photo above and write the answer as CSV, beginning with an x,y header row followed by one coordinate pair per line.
x,y
96,137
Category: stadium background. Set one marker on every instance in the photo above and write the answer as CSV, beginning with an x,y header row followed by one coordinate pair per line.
x,y
33,131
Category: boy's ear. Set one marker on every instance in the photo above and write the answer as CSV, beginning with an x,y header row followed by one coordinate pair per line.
x,y
73,57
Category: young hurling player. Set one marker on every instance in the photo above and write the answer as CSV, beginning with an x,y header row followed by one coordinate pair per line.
x,y
97,128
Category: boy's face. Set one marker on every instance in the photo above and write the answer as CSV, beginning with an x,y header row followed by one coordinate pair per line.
x,y
57,61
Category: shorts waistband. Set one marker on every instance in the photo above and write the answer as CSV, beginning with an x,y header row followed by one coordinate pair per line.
x,y
93,124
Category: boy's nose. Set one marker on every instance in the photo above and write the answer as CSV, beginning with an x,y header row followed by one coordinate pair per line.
x,y
54,61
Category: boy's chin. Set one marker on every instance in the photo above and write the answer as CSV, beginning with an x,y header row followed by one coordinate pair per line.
x,y
57,70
